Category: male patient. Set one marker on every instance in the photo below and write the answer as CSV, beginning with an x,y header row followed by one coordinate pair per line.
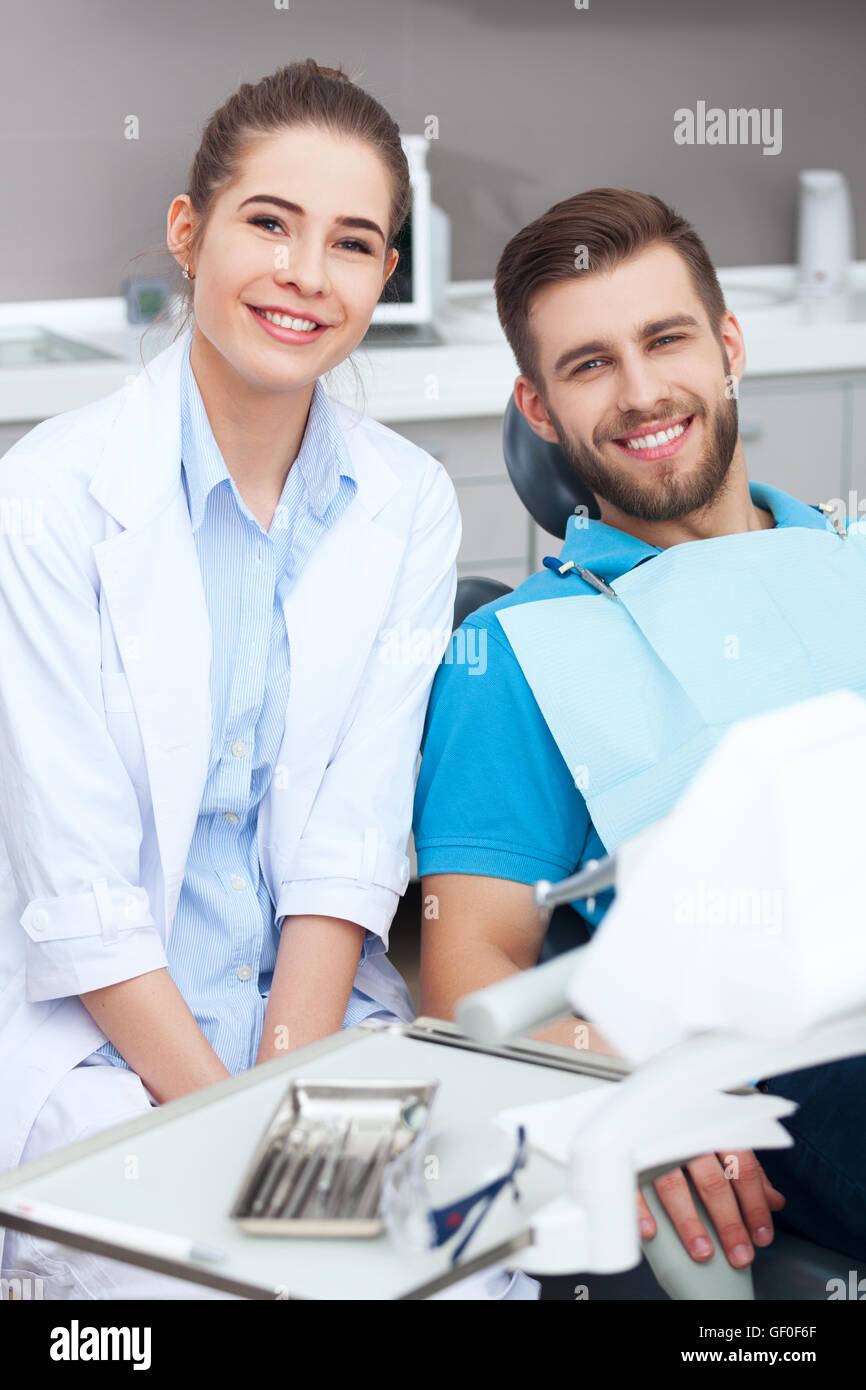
x,y
629,360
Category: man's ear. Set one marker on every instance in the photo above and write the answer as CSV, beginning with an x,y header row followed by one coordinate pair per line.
x,y
734,345
533,409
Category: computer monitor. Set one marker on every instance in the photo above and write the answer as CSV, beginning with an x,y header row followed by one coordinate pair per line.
x,y
408,295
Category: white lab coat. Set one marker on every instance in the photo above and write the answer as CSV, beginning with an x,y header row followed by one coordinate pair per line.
x,y
105,718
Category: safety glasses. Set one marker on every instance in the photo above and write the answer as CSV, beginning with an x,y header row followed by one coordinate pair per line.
x,y
446,1158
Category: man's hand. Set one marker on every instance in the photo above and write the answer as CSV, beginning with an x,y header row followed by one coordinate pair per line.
x,y
739,1205
488,929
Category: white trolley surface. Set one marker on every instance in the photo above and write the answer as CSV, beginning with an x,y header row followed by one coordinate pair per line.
x,y
177,1170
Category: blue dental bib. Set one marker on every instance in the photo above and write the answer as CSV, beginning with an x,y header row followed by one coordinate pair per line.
x,y
637,690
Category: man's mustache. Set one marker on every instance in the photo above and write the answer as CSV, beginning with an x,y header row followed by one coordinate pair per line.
x,y
629,427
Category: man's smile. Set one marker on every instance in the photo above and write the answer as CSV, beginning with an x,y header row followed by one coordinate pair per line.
x,y
658,442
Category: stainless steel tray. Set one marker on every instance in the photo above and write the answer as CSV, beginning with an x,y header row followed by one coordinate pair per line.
x,y
317,1169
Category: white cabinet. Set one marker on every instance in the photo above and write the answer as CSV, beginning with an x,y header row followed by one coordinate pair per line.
x,y
496,526
796,435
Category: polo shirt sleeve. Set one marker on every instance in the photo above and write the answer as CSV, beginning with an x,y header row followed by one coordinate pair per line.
x,y
494,795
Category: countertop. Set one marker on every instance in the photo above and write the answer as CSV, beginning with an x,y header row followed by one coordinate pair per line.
x,y
470,374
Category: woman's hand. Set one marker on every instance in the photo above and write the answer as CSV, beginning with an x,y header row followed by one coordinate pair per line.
x,y
316,963
154,1030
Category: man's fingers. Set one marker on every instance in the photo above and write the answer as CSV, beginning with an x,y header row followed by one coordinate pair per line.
x,y
675,1197
716,1191
739,1198
645,1218
745,1172
775,1199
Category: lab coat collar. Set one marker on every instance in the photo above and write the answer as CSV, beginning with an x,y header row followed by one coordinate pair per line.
x,y
610,553
148,425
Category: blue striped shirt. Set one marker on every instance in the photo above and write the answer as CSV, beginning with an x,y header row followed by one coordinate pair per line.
x,y
222,947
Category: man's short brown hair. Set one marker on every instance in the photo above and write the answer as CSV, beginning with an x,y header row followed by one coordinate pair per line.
x,y
596,229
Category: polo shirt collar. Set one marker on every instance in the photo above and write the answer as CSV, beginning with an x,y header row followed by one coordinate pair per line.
x,y
610,553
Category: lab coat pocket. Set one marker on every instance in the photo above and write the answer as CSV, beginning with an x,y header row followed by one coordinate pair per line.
x,y
122,721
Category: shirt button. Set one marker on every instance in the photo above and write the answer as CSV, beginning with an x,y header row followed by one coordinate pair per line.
x,y
230,816
237,882
39,919
244,972
239,748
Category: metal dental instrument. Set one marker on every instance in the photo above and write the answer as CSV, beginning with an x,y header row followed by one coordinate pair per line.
x,y
323,1192
320,1161
337,1201
296,1146
334,1207
262,1182
593,879
274,1169
305,1174
571,566
412,1117
370,1187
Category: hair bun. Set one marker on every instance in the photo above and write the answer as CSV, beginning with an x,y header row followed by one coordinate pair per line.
x,y
337,74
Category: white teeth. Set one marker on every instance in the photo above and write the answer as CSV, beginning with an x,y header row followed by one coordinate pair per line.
x,y
652,441
285,321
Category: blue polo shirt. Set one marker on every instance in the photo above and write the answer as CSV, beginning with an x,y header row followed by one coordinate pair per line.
x,y
494,794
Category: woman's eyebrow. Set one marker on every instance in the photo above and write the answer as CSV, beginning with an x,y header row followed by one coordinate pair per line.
x,y
295,207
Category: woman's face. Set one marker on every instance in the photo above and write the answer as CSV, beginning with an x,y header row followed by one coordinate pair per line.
x,y
301,233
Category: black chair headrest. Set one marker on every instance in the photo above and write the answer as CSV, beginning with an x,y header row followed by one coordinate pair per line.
x,y
543,478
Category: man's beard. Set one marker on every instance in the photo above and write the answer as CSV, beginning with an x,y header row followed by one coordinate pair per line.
x,y
671,496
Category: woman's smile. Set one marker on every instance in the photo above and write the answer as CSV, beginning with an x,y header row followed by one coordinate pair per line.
x,y
284,334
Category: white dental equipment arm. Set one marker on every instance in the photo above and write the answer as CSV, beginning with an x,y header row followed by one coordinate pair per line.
x,y
734,950
522,1001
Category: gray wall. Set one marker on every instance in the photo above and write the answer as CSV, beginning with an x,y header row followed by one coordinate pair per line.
x,y
535,100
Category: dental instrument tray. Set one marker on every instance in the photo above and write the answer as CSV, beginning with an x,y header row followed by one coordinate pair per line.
x,y
317,1169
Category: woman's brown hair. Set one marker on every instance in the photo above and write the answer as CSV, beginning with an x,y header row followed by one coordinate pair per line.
x,y
592,231
298,94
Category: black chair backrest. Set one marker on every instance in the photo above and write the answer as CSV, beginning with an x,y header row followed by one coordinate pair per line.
x,y
549,489
473,592
543,478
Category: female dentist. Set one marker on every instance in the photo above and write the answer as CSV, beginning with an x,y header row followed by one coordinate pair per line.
x,y
207,761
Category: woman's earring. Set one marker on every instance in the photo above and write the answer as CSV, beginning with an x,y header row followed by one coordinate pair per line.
x,y
185,273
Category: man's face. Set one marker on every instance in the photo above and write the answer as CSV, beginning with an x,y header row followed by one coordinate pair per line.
x,y
628,354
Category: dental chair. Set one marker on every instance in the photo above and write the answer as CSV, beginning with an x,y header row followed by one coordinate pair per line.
x,y
791,1268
